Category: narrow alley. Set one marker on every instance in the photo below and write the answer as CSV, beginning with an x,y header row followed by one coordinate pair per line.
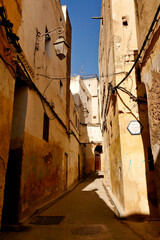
x,y
79,120
81,214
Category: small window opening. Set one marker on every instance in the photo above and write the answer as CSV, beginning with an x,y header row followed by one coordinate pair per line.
x,y
150,159
94,117
124,21
60,21
139,74
99,149
61,89
47,42
46,127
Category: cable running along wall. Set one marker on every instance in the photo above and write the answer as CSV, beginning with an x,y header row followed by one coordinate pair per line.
x,y
114,89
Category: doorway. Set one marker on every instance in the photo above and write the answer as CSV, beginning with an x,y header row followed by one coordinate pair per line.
x,y
97,162
11,205
97,152
149,161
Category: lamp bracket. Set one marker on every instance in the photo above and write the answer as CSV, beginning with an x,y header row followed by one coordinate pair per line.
x,y
59,30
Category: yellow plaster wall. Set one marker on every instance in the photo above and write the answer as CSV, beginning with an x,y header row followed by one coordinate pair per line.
x,y
124,156
134,170
113,174
49,66
150,75
6,96
132,149
145,11
42,162
6,109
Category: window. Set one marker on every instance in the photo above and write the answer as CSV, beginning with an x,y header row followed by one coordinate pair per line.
x,y
47,43
94,117
61,89
150,160
46,127
138,74
124,21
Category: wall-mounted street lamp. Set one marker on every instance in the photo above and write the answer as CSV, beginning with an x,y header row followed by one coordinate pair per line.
x,y
60,44
61,47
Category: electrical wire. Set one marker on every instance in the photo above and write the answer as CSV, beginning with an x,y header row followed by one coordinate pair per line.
x,y
53,78
8,64
32,85
131,95
72,133
155,20
110,88
43,103
74,126
107,103
84,77
43,99
47,86
127,106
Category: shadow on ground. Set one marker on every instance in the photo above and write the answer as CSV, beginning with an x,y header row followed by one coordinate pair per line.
x,y
85,214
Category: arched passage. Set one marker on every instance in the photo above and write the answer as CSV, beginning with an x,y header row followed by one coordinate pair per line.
x,y
97,152
149,161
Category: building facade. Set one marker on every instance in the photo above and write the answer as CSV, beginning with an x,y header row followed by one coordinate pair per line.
x,y
86,96
149,43
130,176
40,152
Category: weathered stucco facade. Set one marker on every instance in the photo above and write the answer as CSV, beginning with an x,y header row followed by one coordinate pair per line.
x,y
129,170
41,155
149,13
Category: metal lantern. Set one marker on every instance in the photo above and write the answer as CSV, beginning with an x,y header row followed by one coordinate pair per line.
x,y
61,47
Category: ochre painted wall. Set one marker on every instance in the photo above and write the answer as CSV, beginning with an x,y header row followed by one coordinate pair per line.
x,y
150,75
42,169
6,109
124,155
